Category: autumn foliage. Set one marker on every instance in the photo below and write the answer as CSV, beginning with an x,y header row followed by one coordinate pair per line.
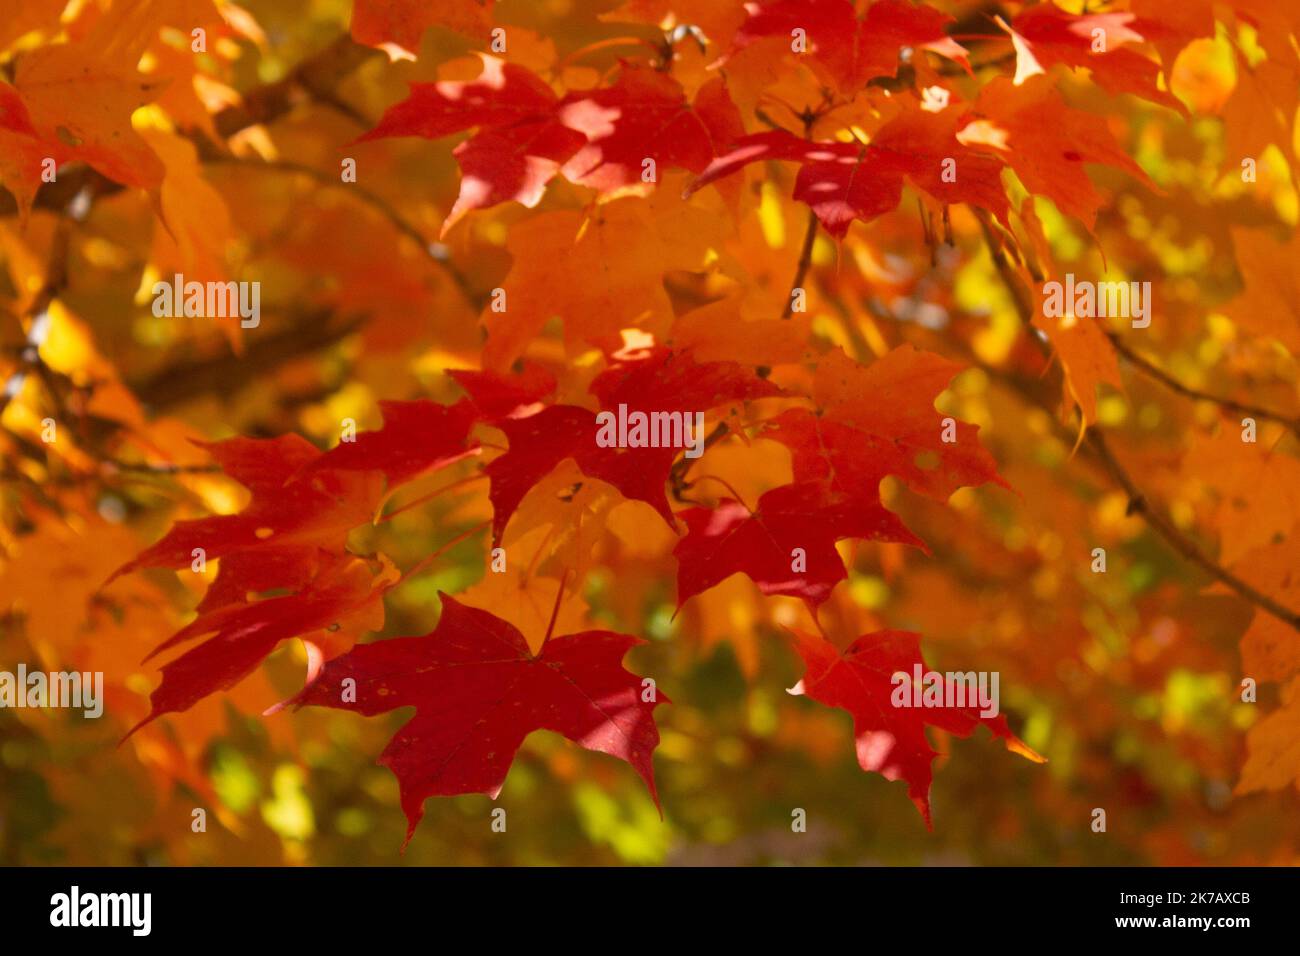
x,y
610,354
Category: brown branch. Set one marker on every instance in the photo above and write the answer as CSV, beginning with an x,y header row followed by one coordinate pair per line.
x,y
1164,378
313,78
805,260
953,69
1138,501
373,200
146,468
225,372
56,277
677,476
1007,273
809,117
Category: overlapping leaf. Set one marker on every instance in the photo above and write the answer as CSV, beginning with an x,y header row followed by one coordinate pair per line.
x,y
612,138
1044,36
846,181
341,602
318,510
890,739
848,48
661,383
786,545
860,436
418,436
478,691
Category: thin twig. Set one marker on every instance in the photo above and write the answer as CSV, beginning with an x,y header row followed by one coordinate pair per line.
x,y
443,549
677,476
809,117
1007,273
372,199
146,468
729,486
312,76
805,260
1171,383
56,277
424,499
308,332
1138,501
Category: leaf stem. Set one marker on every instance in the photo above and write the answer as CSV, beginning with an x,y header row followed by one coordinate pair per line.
x,y
726,484
555,611
677,476
447,546
809,117
415,503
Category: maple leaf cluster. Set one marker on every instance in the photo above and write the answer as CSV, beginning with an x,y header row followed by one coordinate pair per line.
x,y
292,537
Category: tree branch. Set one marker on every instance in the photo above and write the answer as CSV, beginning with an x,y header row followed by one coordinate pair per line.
x,y
1164,378
1138,501
677,476
809,117
374,200
56,277
805,260
314,78
225,372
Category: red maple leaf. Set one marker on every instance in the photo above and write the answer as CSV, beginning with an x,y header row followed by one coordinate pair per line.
x,y
762,544
540,442
520,145
418,437
662,381
852,50
526,136
643,116
479,691
504,163
879,419
329,611
1045,35
502,95
250,572
316,511
495,395
23,150
890,739
842,182
1047,143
